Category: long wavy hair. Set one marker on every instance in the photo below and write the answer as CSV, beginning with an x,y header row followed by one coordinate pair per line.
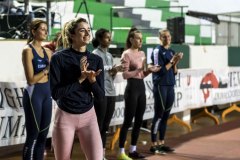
x,y
70,29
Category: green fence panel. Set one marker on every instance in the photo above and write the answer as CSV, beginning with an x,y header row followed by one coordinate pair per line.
x,y
233,56
185,62
95,8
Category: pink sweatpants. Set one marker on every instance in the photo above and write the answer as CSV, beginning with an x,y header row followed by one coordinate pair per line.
x,y
86,128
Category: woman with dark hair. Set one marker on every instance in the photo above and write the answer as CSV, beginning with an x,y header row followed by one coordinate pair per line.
x,y
37,102
133,60
76,78
105,108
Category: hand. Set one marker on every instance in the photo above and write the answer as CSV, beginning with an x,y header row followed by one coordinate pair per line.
x,y
47,68
83,67
154,69
180,55
119,67
83,63
174,59
115,69
91,75
176,62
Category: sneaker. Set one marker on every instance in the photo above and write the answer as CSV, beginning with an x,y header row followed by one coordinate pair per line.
x,y
154,150
123,156
166,148
158,150
136,155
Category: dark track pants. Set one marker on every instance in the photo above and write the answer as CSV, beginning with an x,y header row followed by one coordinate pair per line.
x,y
163,101
37,105
135,105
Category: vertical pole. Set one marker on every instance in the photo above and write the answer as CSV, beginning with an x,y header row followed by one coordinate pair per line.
x,y
88,16
26,6
181,11
229,31
111,20
238,35
49,19
200,39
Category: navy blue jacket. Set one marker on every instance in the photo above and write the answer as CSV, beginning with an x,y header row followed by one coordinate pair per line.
x,y
161,56
71,96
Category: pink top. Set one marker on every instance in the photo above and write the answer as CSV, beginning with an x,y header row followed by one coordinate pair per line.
x,y
132,61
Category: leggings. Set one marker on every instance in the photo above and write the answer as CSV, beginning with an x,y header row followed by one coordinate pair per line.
x,y
135,105
86,128
163,101
104,111
37,104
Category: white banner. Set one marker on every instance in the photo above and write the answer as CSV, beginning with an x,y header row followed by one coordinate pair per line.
x,y
120,85
208,57
206,87
194,89
12,119
12,122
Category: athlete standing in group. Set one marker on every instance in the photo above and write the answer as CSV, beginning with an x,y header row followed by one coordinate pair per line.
x,y
105,108
37,102
76,79
164,80
133,60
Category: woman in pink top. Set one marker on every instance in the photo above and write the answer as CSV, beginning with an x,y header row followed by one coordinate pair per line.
x,y
135,99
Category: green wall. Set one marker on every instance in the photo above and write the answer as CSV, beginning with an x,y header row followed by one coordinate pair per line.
x,y
184,63
233,56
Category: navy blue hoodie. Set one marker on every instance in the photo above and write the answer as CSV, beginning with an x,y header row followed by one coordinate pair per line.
x,y
71,96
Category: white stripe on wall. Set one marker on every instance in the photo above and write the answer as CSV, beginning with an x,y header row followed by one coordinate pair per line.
x,y
206,31
189,39
135,3
149,14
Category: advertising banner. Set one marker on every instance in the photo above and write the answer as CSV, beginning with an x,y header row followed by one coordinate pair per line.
x,y
193,89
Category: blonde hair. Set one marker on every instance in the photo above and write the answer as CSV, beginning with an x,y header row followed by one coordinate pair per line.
x,y
64,38
161,31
